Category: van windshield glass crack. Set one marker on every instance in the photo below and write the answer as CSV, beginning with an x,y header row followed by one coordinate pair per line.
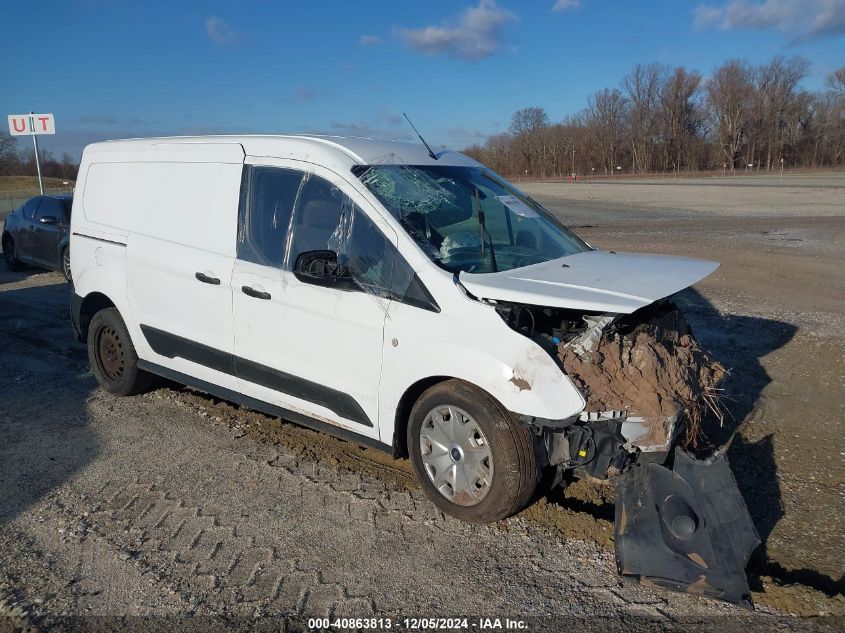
x,y
467,218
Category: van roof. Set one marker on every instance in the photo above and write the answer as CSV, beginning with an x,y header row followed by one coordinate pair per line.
x,y
315,148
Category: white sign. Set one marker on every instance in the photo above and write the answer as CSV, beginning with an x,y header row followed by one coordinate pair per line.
x,y
517,206
25,124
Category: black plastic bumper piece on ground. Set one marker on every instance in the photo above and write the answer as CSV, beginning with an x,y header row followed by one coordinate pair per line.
x,y
685,529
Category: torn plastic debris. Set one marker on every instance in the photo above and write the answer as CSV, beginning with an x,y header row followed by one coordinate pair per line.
x,y
649,435
686,528
587,341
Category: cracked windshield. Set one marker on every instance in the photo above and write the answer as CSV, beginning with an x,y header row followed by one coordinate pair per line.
x,y
466,219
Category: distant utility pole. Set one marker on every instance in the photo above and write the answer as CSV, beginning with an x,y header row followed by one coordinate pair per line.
x,y
573,161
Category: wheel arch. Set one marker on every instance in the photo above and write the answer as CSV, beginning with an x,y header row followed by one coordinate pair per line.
x,y
403,412
90,305
409,399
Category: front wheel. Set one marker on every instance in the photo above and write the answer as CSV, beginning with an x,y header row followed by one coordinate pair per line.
x,y
10,255
472,457
111,353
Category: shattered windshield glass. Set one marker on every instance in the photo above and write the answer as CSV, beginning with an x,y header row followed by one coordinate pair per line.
x,y
468,219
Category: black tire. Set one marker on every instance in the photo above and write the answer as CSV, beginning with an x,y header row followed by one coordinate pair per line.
x,y
10,255
111,353
514,470
65,261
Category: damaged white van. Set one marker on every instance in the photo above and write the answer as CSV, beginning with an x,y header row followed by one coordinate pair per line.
x,y
403,299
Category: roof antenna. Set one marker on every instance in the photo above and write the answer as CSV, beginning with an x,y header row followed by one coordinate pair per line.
x,y
430,152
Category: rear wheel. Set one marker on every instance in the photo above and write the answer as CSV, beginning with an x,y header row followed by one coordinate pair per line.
x,y
10,255
66,263
472,458
111,353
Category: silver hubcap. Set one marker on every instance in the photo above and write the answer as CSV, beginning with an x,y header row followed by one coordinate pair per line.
x,y
66,263
456,455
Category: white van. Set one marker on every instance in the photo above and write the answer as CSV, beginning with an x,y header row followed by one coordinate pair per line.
x,y
358,286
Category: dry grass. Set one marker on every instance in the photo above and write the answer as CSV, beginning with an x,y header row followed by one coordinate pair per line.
x,y
25,185
709,402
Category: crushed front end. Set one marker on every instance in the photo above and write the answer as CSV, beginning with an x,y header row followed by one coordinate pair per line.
x,y
681,523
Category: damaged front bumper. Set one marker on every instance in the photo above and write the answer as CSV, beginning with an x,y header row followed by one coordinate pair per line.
x,y
685,527
681,523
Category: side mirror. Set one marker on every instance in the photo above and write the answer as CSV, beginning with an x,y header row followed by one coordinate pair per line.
x,y
322,269
49,219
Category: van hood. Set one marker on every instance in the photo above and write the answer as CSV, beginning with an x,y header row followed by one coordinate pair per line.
x,y
601,281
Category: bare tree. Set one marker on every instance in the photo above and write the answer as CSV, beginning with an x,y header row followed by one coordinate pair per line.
x,y
8,153
606,113
68,167
780,107
527,130
642,88
680,117
836,80
729,93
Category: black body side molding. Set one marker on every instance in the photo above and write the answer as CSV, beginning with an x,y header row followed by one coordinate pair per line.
x,y
264,407
99,239
172,346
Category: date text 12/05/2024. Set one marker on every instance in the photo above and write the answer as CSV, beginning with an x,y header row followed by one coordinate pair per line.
x,y
477,624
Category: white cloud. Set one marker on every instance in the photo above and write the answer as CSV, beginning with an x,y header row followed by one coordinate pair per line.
x,y
563,5
219,31
370,40
809,19
477,33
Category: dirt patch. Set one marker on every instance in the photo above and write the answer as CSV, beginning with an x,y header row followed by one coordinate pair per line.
x,y
797,599
650,365
583,510
304,443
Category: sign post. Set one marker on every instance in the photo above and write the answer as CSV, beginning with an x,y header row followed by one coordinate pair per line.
x,y
33,124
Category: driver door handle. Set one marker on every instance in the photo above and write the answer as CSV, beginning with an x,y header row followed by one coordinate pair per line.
x,y
207,279
252,292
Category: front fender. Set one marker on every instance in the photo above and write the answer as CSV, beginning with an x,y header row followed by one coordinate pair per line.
x,y
482,351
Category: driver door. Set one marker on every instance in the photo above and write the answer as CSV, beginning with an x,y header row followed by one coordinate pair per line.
x,y
305,348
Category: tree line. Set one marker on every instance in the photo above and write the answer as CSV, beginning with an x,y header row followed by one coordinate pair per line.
x,y
15,161
662,119
658,119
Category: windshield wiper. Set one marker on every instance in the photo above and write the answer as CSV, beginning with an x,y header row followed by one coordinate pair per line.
x,y
484,230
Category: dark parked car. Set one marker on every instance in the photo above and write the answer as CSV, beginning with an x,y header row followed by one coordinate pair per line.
x,y
38,233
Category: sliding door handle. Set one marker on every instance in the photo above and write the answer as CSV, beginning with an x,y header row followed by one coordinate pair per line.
x,y
252,292
207,279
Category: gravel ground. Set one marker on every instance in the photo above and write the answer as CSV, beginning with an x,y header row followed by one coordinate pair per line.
x,y
173,505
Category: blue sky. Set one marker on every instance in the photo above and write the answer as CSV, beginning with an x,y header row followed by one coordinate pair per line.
x,y
118,68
